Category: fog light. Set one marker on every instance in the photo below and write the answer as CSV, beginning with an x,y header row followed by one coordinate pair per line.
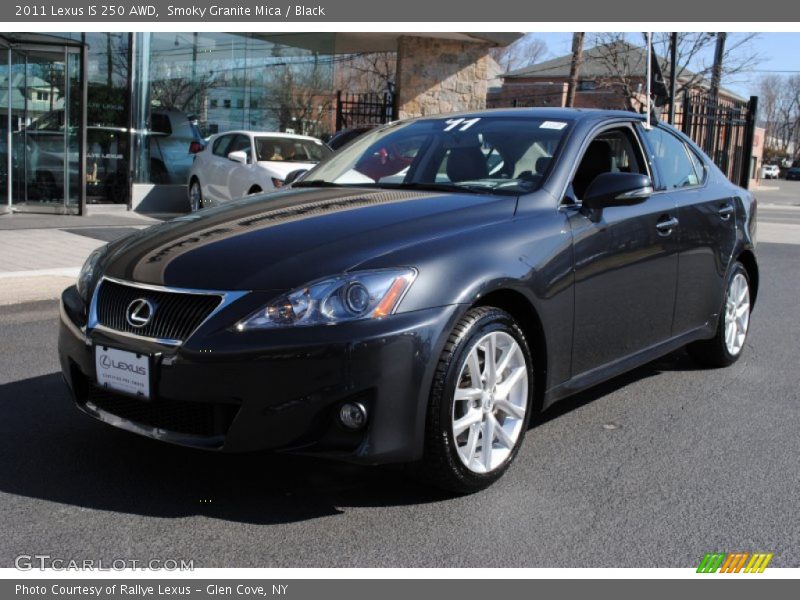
x,y
353,415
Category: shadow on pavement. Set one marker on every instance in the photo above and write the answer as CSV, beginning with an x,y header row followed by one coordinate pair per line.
x,y
676,361
49,450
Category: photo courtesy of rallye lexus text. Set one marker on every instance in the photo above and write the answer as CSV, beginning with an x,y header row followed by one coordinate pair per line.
x,y
421,295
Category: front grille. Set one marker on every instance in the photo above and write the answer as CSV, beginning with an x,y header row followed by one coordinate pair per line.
x,y
175,316
179,416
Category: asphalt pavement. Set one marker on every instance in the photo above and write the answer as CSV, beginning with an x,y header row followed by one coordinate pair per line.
x,y
654,468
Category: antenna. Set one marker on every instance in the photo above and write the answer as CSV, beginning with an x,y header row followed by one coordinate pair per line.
x,y
649,36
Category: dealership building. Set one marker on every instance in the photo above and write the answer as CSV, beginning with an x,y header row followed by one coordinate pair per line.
x,y
90,119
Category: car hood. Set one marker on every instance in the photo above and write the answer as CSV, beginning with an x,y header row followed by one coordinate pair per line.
x,y
282,240
281,168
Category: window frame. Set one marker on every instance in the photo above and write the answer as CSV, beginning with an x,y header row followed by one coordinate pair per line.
x,y
632,127
218,141
249,139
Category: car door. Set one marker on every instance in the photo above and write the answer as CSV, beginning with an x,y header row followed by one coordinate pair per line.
x,y
625,260
215,175
706,234
239,178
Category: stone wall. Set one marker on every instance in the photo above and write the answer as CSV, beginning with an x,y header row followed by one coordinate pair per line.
x,y
437,76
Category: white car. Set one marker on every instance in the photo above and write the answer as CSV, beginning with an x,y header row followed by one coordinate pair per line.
x,y
771,171
238,163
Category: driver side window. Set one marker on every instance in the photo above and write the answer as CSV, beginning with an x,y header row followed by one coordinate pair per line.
x,y
613,151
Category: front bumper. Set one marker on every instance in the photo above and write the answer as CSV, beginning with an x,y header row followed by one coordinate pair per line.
x,y
278,389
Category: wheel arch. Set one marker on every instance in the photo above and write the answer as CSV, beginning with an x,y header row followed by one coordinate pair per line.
x,y
748,259
192,178
518,306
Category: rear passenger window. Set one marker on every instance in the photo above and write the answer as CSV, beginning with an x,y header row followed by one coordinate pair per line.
x,y
699,165
159,123
673,159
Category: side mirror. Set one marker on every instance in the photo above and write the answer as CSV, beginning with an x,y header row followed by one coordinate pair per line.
x,y
238,156
294,176
617,189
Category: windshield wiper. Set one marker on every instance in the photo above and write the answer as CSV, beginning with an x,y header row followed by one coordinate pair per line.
x,y
317,183
439,187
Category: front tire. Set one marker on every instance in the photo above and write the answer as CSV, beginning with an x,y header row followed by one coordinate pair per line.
x,y
482,390
195,196
727,345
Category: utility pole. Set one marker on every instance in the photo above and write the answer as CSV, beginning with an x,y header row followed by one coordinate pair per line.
x,y
716,77
575,67
716,71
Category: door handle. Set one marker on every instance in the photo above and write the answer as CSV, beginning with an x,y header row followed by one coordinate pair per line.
x,y
666,227
726,211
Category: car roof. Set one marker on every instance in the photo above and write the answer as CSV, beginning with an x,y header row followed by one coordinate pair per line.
x,y
574,114
278,134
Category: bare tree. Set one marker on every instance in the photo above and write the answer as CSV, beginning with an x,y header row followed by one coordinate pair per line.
x,y
299,97
780,110
770,97
526,51
367,72
624,69
182,93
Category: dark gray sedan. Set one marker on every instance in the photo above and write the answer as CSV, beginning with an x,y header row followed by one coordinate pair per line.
x,y
418,296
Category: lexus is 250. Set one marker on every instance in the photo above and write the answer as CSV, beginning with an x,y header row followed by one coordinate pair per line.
x,y
419,296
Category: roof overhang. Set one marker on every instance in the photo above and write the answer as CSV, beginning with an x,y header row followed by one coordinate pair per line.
x,y
355,42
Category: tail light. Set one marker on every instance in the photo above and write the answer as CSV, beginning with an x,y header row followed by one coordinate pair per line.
x,y
195,147
277,182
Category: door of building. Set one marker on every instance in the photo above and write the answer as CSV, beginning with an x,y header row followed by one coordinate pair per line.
x,y
43,128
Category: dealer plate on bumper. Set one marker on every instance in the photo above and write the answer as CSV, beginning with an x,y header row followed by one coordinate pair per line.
x,y
123,371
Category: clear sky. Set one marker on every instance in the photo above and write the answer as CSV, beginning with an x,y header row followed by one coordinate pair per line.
x,y
780,52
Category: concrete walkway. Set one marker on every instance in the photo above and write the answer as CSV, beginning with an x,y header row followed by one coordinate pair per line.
x,y
40,255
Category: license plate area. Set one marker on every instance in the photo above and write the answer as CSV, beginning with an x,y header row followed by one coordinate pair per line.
x,y
123,371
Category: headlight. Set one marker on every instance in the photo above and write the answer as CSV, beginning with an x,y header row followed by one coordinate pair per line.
x,y
359,295
87,275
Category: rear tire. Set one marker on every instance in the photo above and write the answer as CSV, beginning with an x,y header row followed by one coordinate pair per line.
x,y
727,345
472,400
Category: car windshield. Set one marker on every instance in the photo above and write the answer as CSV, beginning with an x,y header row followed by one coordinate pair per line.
x,y
496,154
274,148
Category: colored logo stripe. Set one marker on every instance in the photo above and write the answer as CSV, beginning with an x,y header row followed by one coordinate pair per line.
x,y
710,563
733,563
758,563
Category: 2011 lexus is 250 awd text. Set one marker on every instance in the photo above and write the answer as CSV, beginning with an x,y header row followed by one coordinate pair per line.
x,y
418,296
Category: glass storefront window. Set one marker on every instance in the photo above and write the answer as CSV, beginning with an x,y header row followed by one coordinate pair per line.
x,y
152,101
107,140
194,85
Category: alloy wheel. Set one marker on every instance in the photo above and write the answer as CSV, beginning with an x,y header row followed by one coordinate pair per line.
x,y
737,314
490,402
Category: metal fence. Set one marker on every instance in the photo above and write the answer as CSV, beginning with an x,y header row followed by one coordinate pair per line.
x,y
724,130
363,110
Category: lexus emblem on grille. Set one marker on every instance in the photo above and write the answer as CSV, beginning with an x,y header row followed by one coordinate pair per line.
x,y
139,312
